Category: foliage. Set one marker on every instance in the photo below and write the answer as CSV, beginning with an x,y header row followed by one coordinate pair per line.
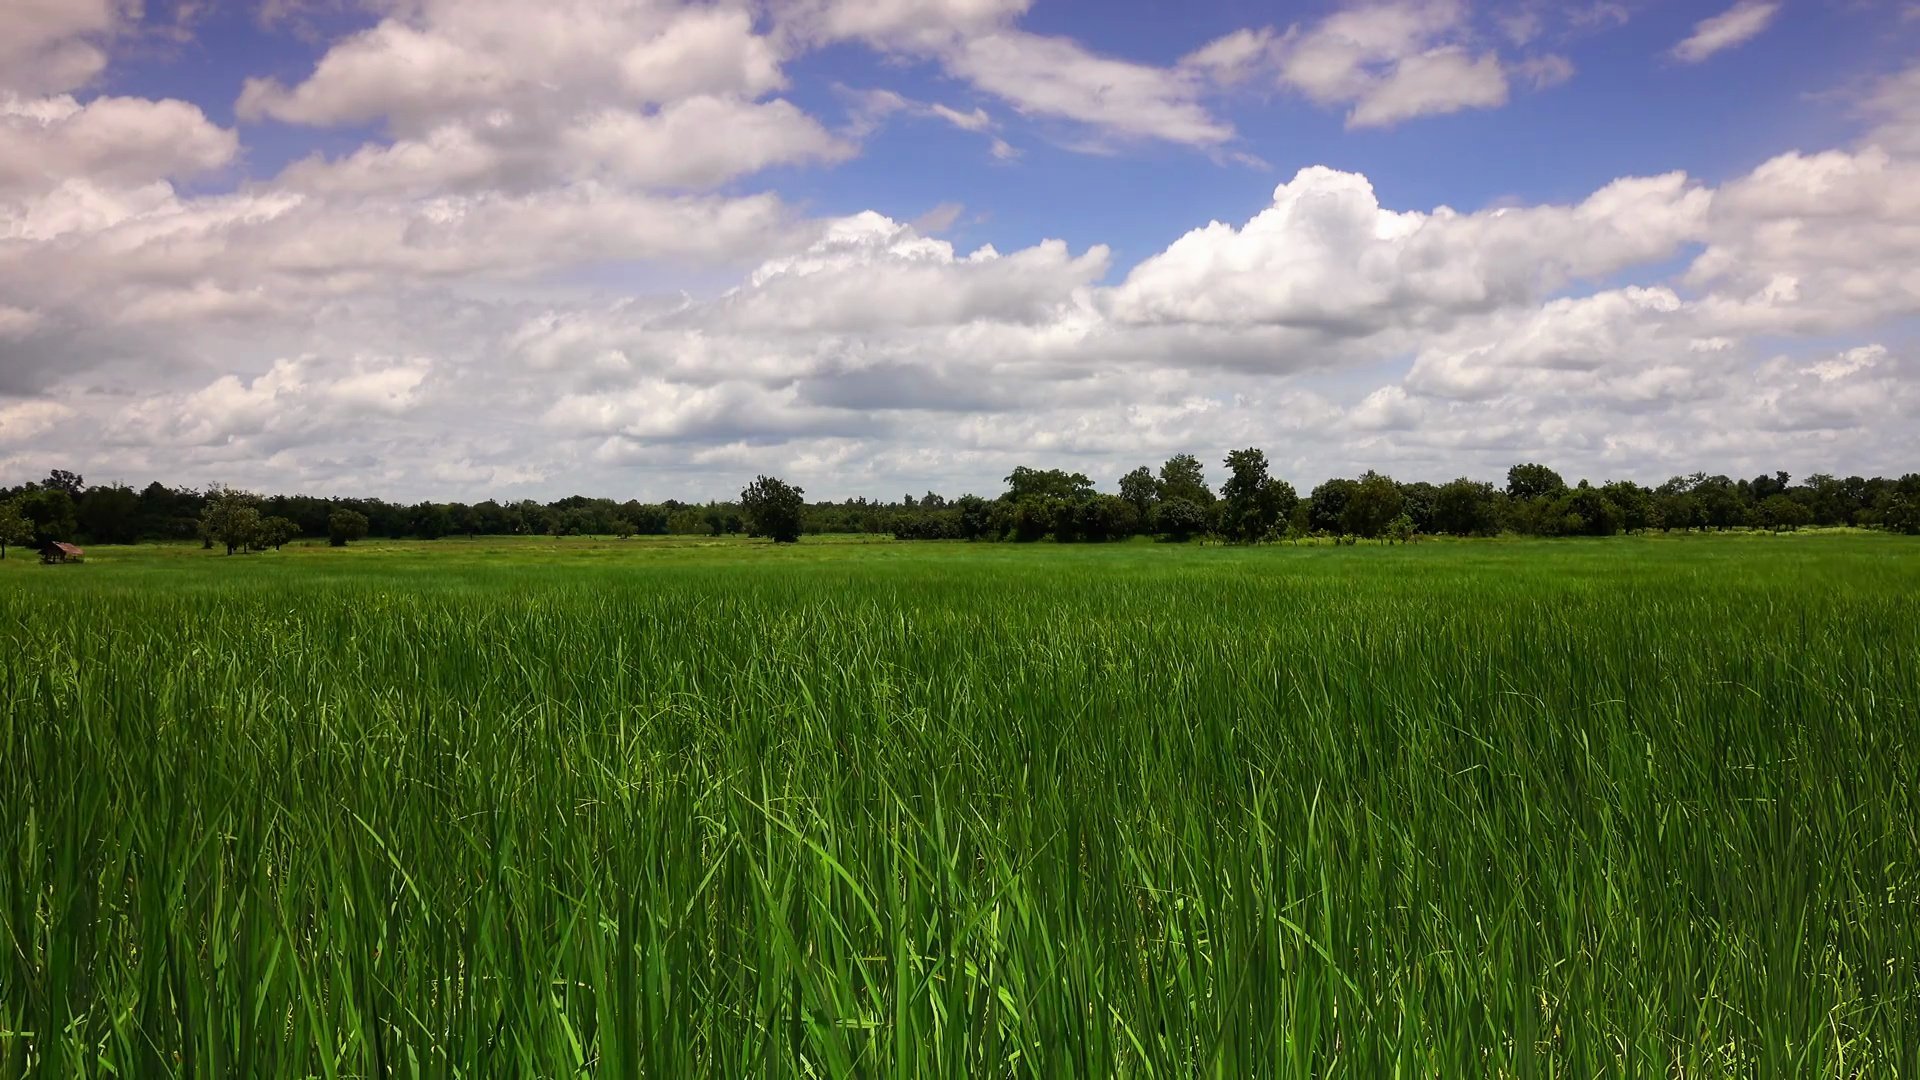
x,y
14,526
49,513
1181,519
231,519
1533,481
1375,501
276,532
345,526
1183,478
773,509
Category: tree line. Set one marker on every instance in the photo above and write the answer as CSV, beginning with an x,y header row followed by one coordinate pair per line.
x,y
1174,502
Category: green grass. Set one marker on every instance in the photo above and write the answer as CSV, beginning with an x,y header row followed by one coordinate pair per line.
x,y
1640,807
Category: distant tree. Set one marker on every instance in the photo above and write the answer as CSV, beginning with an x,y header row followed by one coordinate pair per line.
x,y
1634,503
276,532
622,528
1374,503
1532,481
1138,488
1465,507
1181,519
1586,511
110,514
49,512
1025,483
62,480
1400,530
14,527
231,518
1416,501
345,526
1327,505
430,521
773,509
1183,478
1253,504
1781,513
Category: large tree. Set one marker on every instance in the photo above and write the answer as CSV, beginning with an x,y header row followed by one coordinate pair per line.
x,y
1466,507
1183,478
1375,502
1531,481
345,526
49,513
232,518
773,509
14,527
1253,503
1024,483
1138,487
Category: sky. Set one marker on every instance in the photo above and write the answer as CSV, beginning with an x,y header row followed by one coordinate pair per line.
x,y
460,249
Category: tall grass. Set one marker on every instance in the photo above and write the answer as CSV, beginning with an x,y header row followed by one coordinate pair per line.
x,y
1613,809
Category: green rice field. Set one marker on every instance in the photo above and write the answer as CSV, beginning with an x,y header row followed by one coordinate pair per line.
x,y
1640,807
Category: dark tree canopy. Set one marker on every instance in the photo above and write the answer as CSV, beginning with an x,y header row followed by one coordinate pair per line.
x,y
773,509
1173,502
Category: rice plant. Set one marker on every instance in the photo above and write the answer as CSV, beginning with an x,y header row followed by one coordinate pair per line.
x,y
1622,808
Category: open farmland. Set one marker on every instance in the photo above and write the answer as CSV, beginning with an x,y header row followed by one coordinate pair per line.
x,y
1630,807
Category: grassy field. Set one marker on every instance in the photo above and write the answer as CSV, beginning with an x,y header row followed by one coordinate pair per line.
x,y
1636,807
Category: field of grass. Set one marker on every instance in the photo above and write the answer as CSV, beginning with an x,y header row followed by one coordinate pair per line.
x,y
1635,807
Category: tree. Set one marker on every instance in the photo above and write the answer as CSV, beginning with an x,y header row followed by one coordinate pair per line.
x,y
1253,503
622,528
1532,481
1781,513
1183,478
1374,503
1181,519
275,532
110,514
345,526
1138,488
1400,529
14,527
231,518
62,480
1025,483
1327,505
773,509
49,513
1465,507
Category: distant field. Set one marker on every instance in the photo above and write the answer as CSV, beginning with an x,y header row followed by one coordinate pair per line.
x,y
1629,807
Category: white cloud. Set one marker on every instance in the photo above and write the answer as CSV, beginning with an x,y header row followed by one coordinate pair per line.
x,y
1893,105
1327,256
1392,61
25,420
1433,83
1056,77
117,140
1737,25
55,45
488,93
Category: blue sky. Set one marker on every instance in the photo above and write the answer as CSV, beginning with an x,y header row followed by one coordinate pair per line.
x,y
427,248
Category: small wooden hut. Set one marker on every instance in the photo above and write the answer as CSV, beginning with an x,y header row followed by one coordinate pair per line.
x,y
56,552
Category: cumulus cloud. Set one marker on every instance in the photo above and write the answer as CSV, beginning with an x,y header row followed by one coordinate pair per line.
x,y
495,94
55,45
115,140
1053,78
1326,255
1393,61
1737,25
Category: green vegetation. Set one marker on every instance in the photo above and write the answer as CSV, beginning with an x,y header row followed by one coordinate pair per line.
x,y
1630,807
